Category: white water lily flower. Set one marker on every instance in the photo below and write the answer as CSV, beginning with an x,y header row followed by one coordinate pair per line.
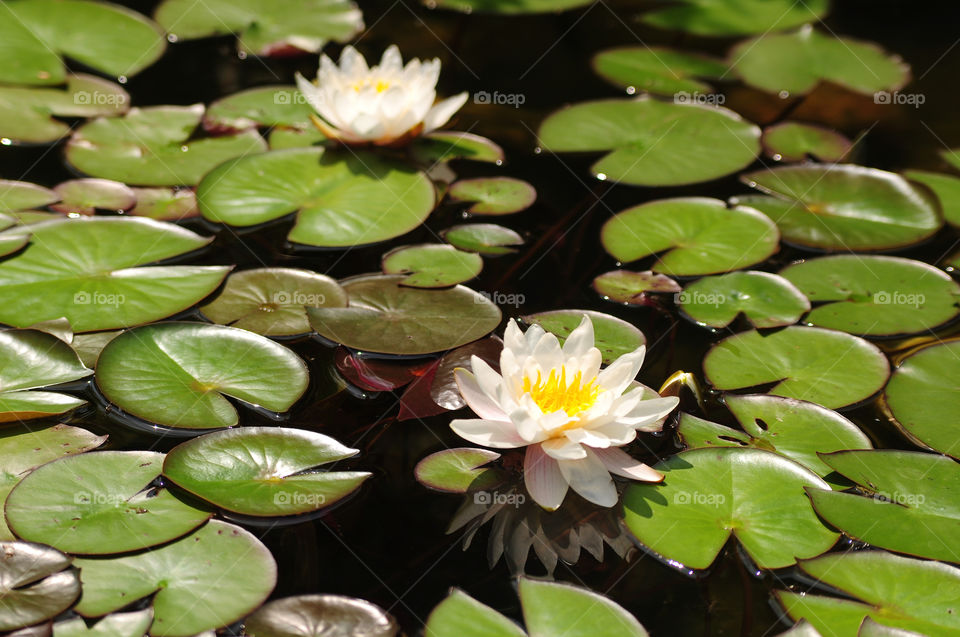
x,y
378,105
569,414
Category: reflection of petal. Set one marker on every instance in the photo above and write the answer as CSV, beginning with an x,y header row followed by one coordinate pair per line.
x,y
442,111
541,475
623,464
498,434
580,339
590,478
564,449
481,404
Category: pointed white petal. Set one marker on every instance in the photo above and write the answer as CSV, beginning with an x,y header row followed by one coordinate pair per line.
x,y
391,62
497,434
648,412
590,478
563,449
442,111
548,354
489,380
622,371
352,63
621,463
513,340
580,339
589,437
541,475
481,404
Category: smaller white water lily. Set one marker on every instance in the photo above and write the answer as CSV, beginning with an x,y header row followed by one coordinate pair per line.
x,y
380,104
569,414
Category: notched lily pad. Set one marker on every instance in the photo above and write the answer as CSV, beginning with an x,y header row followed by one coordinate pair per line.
x,y
23,195
165,204
86,196
313,615
795,141
36,584
262,107
132,624
657,70
632,288
736,17
487,239
945,187
431,265
764,299
440,146
459,470
614,337
494,195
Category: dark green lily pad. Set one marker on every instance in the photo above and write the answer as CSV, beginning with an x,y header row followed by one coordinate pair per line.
x,y
692,235
132,624
709,494
179,374
843,207
36,584
30,360
487,239
165,204
945,187
654,143
385,317
99,503
614,337
23,195
822,366
281,138
66,272
273,301
343,200
206,580
86,196
631,288
263,27
316,615
431,265
154,147
494,195
103,36
263,471
797,62
261,107
459,470
792,428
898,592
440,146
764,299
876,295
794,141
657,70
736,17
922,397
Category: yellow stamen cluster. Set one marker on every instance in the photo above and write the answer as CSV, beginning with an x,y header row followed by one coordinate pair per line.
x,y
379,85
556,393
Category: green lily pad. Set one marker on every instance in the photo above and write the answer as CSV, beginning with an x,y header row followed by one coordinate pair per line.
x,y
132,624
876,295
657,70
614,337
914,509
764,299
386,317
66,272
459,470
797,62
736,17
487,239
28,114
945,187
263,27
431,265
206,580
165,204
440,146
316,615
792,428
179,374
11,244
36,584
343,200
894,591
263,471
631,288
831,368
273,301
654,143
89,346
845,207
494,195
921,397
261,107
30,360
23,195
508,7
793,141
281,138
103,36
693,235
710,494
154,147
86,196
99,503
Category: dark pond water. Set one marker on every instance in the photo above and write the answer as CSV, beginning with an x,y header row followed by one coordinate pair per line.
x,y
388,544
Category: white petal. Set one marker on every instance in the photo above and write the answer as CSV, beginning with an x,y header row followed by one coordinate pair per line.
x,y
621,463
648,412
513,340
489,380
309,92
564,449
580,340
548,354
352,63
442,111
590,478
590,437
622,371
391,62
393,102
541,475
497,434
481,404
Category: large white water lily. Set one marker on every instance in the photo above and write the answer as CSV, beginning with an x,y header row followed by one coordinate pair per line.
x,y
569,414
379,104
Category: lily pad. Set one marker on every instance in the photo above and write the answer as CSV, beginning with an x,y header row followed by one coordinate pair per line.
x,y
263,27
654,143
281,138
36,584
30,360
922,398
876,295
132,624
657,70
180,374
261,107
792,428
797,62
945,187
894,591
99,503
736,17
343,200
386,317
614,337
263,471
509,6
487,239
764,299
632,288
273,301
831,368
315,615
494,195
165,204
206,580
459,470
710,494
103,36
843,207
23,195
89,346
66,272
431,265
794,141
86,196
440,146
154,147
693,235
